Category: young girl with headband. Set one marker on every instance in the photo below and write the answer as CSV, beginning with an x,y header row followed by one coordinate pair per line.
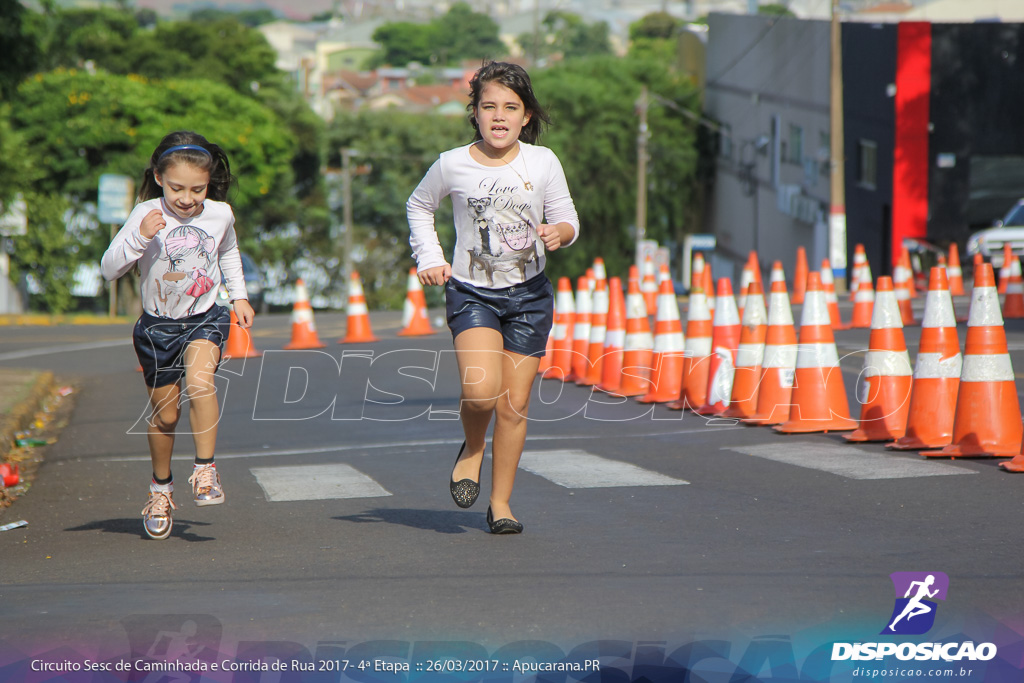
x,y
181,235
512,206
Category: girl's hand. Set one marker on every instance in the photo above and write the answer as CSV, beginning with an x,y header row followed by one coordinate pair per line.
x,y
152,223
244,313
554,236
435,276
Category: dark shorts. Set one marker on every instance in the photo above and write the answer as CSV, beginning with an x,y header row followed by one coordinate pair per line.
x,y
522,313
160,342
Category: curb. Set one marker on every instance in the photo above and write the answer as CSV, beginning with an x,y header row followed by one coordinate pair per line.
x,y
45,320
20,417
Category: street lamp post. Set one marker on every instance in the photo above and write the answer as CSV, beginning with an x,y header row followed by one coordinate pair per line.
x,y
346,192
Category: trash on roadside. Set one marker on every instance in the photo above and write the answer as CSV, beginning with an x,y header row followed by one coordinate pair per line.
x,y
13,525
66,391
9,475
30,442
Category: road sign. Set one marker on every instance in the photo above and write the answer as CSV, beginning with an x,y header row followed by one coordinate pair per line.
x,y
13,220
116,197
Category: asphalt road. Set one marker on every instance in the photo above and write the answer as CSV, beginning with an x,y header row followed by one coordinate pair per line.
x,y
648,531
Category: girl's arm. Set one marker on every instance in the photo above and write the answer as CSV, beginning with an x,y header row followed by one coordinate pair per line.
x,y
420,208
563,223
131,241
234,277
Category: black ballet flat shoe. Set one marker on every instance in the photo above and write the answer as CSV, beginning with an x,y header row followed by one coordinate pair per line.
x,y
464,491
503,526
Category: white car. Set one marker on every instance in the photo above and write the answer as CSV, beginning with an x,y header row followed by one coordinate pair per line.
x,y
989,243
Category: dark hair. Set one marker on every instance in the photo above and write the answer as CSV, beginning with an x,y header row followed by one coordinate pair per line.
x,y
515,78
213,160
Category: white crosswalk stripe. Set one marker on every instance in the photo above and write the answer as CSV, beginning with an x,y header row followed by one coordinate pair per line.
x,y
316,482
574,469
850,462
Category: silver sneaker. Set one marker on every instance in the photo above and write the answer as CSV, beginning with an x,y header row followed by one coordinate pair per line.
x,y
156,516
206,487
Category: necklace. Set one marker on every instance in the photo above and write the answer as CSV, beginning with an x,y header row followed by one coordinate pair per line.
x,y
527,185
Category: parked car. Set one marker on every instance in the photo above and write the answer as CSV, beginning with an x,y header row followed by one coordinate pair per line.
x,y
253,284
1010,229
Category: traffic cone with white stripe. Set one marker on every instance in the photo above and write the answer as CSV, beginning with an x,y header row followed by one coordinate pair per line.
x,y
649,286
988,419
746,277
1004,271
357,328
415,322
1013,304
800,276
779,363
709,289
239,344
863,301
860,259
565,315
936,372
615,338
828,285
699,331
902,282
884,388
725,341
638,347
303,329
749,356
954,272
669,347
819,396
581,327
598,331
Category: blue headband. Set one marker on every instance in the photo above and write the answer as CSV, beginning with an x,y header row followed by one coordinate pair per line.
x,y
177,147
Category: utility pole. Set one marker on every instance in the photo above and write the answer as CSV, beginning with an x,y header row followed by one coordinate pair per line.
x,y
642,104
346,191
837,208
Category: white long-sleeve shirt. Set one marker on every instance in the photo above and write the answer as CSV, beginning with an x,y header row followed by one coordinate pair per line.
x,y
182,266
497,211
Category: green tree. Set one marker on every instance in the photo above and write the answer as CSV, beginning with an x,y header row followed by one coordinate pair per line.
x,y
402,42
18,45
775,10
654,37
44,252
251,18
457,35
566,34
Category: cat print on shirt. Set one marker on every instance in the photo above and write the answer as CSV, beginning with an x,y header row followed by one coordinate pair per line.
x,y
507,239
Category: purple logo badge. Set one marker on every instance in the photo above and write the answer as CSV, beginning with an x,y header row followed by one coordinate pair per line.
x,y
914,611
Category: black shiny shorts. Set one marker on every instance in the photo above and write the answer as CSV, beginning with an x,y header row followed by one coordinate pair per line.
x,y
522,313
160,342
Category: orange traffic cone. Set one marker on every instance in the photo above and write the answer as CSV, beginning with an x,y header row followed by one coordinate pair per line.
x,y
724,343
860,259
749,355
598,331
709,288
638,347
649,287
819,396
699,331
581,328
1013,304
755,269
615,338
902,281
1004,270
415,322
863,302
746,277
954,272
358,324
936,372
669,346
549,348
303,329
828,285
884,390
988,419
565,315
239,344
800,276
777,367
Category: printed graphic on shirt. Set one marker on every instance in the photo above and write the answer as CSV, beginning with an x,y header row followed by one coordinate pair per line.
x,y
186,263
507,239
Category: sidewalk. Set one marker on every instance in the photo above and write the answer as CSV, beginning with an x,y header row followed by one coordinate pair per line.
x,y
22,393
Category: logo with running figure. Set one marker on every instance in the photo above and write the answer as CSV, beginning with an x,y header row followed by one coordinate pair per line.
x,y
916,592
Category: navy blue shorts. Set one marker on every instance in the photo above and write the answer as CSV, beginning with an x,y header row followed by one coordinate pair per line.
x,y
522,313
160,342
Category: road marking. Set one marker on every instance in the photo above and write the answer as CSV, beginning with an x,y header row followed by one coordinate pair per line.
x,y
315,482
574,469
28,353
418,445
851,462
